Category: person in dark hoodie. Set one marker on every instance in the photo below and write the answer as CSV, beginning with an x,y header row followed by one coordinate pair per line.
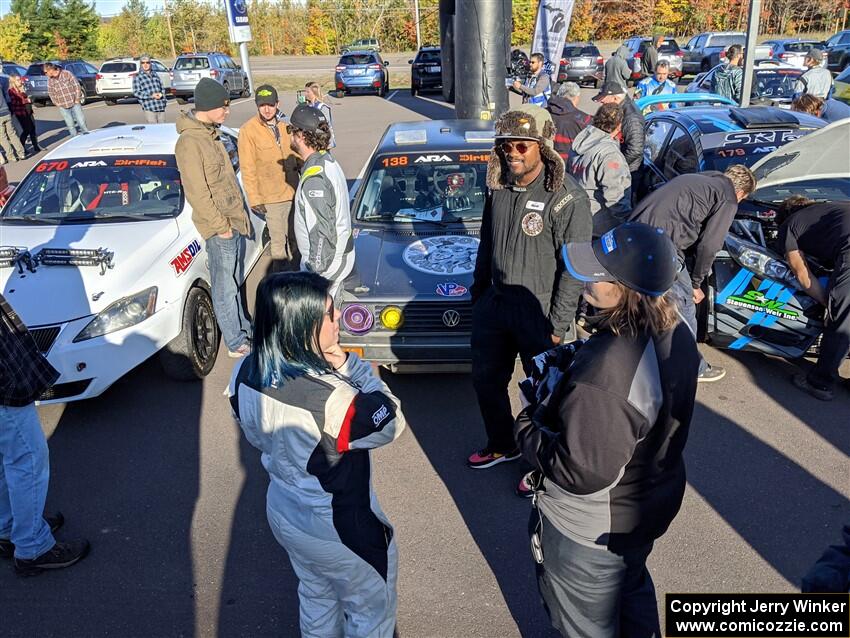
x,y
524,299
604,425
599,167
569,120
617,69
633,135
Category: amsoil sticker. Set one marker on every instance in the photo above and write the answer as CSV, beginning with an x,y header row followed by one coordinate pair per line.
x,y
182,261
532,224
451,289
443,255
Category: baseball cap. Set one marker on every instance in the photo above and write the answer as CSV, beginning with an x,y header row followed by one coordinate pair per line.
x,y
815,54
639,256
609,88
266,94
306,118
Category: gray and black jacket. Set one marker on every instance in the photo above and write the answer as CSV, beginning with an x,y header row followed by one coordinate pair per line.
x,y
617,67
608,439
599,167
634,135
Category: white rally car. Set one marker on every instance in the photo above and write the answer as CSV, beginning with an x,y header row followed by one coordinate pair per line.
x,y
100,258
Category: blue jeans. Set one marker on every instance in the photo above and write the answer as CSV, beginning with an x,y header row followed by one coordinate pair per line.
x,y
24,475
683,294
224,269
73,118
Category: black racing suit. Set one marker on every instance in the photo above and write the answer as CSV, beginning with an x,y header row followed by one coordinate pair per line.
x,y
522,292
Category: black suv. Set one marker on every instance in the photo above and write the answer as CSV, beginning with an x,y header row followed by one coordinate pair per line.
x,y
581,62
426,71
838,52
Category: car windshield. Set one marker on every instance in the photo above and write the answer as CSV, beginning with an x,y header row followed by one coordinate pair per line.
x,y
365,58
94,189
428,56
118,67
35,69
418,188
187,64
668,46
775,82
726,40
834,189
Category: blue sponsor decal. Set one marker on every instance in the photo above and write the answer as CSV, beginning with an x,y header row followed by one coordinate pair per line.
x,y
451,289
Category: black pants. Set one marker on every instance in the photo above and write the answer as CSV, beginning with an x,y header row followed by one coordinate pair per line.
x,y
835,344
504,326
28,129
593,592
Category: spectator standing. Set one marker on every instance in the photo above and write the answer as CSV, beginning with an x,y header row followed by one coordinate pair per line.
x,y
147,87
649,60
65,93
632,129
605,428
617,69
322,220
21,106
270,172
696,211
313,93
315,412
599,167
569,120
218,210
524,300
829,109
728,80
821,231
817,80
25,533
657,84
9,141
537,88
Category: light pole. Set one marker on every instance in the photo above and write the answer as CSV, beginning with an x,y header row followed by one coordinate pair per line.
x,y
750,54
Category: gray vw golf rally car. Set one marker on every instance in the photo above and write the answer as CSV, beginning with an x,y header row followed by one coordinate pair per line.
x,y
417,209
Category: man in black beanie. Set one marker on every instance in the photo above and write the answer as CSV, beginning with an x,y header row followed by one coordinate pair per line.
x,y
218,210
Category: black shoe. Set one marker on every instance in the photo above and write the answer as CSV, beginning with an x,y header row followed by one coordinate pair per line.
x,y
61,555
7,547
802,382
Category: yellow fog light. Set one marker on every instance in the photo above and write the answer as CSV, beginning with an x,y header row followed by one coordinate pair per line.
x,y
392,317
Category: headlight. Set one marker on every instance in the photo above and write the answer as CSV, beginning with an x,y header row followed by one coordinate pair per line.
x,y
392,317
357,319
752,257
122,314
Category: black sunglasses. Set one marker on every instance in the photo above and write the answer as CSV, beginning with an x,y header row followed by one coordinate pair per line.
x,y
521,147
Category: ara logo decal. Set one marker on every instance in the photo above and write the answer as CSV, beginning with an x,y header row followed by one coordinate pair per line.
x,y
451,289
755,300
88,164
432,158
382,413
182,261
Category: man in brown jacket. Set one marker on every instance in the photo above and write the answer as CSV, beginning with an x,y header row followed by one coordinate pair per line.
x,y
270,172
218,210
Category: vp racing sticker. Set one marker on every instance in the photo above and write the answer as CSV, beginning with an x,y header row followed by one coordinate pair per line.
x,y
451,289
532,224
182,261
442,255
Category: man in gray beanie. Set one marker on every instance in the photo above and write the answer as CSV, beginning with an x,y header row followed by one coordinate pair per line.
x,y
218,210
524,299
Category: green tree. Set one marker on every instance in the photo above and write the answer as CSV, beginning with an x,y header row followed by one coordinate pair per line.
x,y
524,14
77,30
13,45
44,18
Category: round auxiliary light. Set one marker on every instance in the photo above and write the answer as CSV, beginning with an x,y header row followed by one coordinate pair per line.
x,y
357,319
392,318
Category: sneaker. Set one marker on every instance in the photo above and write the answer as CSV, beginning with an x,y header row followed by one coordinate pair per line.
x,y
525,489
7,547
61,555
801,381
486,458
711,374
242,351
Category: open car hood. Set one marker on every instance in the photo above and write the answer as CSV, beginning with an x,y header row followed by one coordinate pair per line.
x,y
821,154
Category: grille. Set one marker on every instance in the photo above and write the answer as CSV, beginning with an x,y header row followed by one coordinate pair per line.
x,y
428,317
65,390
419,233
44,337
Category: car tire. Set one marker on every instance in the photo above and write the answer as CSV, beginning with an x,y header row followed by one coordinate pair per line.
x,y
191,355
226,87
83,96
412,91
182,100
246,92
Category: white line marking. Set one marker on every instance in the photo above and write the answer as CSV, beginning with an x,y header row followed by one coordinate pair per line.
x,y
391,96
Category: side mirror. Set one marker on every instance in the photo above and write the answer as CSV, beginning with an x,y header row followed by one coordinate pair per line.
x,y
239,66
410,61
386,62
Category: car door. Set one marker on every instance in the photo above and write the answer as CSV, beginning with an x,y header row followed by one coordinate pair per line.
x,y
162,73
679,156
88,76
694,55
706,82
657,130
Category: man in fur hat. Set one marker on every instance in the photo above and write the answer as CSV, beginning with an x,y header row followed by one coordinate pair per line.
x,y
524,299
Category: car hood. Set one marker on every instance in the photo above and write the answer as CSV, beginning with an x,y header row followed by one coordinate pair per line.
x,y
821,154
407,264
54,294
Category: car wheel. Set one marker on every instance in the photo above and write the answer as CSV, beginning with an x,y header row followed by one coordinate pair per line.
x,y
83,96
246,92
412,90
182,100
226,87
191,355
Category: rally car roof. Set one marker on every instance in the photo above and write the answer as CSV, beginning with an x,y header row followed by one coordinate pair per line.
x,y
132,139
436,135
721,119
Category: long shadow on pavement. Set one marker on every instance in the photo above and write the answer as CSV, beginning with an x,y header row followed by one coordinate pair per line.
x,y
430,105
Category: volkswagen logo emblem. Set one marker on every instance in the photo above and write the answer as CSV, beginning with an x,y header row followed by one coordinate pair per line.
x,y
451,318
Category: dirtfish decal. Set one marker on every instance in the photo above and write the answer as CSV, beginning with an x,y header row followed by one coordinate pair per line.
x,y
182,261
754,300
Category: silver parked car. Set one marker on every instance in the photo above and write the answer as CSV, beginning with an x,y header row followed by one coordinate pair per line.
x,y
189,68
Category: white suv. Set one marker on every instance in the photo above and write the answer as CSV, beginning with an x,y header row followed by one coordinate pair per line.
x,y
115,78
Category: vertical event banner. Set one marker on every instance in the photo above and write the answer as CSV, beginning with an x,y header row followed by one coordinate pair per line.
x,y
550,31
237,21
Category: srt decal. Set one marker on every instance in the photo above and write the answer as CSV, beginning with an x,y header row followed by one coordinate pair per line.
x,y
754,300
760,137
182,261
451,289
442,255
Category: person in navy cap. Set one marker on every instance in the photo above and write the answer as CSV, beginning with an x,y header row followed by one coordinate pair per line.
x,y
604,427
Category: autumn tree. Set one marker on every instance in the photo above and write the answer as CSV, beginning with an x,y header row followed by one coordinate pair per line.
x,y
13,45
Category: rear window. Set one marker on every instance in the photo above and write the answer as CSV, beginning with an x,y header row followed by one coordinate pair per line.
x,y
428,56
725,40
192,63
800,47
357,59
575,52
118,67
668,46
35,69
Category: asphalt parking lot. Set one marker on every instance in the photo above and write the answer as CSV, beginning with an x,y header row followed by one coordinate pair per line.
x,y
157,476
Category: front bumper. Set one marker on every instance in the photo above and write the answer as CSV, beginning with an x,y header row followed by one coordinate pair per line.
x,y
37,93
421,350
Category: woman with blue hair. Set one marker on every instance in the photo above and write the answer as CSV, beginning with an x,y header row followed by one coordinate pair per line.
x,y
314,412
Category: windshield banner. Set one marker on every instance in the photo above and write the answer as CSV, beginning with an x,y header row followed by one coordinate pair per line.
x,y
550,31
